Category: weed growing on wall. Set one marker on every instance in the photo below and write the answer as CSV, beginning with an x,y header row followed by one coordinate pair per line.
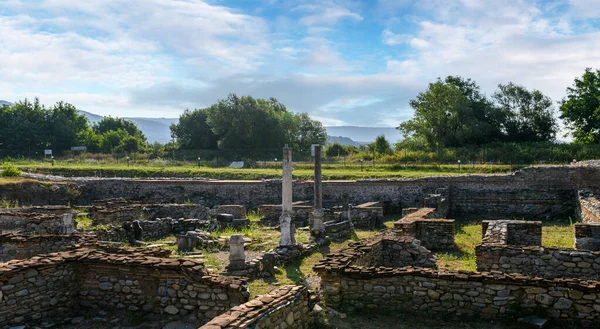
x,y
9,170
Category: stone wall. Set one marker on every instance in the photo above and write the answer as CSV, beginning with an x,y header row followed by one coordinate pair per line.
x,y
512,232
427,291
387,249
120,214
587,236
238,211
532,193
369,214
53,210
27,222
56,285
589,207
271,212
339,230
434,233
18,246
153,229
284,307
349,286
539,261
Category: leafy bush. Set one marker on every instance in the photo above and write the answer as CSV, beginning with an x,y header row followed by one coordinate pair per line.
x,y
9,170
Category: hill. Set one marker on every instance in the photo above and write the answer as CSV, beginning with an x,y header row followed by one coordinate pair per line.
x,y
365,134
155,129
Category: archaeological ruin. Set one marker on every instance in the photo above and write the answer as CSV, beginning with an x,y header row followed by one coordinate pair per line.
x,y
190,252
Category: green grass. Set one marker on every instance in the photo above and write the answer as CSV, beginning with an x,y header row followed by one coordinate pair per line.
x,y
556,234
301,171
5,203
84,223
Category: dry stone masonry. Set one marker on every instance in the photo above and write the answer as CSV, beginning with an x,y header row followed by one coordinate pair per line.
x,y
284,307
587,236
434,233
18,246
512,232
57,285
30,222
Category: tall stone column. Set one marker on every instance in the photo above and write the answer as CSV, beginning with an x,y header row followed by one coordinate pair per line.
x,y
285,221
318,228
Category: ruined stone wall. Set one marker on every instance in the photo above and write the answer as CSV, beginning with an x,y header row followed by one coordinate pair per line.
x,y
120,214
589,207
385,249
107,286
17,246
270,214
368,214
53,210
31,292
29,222
428,291
587,236
287,306
531,193
85,278
152,229
512,232
434,233
539,261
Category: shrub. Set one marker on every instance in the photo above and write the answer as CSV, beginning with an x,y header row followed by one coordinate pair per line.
x,y
9,170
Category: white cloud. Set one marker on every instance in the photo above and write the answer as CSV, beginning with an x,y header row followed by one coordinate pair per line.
x,y
390,38
326,13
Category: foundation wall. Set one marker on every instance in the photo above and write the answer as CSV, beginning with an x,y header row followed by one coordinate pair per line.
x,y
539,261
426,291
29,222
285,307
54,285
587,236
37,292
17,246
512,232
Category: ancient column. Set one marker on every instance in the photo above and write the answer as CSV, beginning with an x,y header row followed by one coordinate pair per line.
x,y
285,221
318,228
237,256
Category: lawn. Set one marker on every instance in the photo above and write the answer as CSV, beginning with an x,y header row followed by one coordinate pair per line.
x,y
301,170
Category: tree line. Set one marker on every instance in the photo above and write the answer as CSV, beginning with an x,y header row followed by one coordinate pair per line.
x,y
453,112
27,126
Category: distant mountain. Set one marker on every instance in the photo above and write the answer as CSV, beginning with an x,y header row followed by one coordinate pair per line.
x,y
2,103
155,129
342,140
365,134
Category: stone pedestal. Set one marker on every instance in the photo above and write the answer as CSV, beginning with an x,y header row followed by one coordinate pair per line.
x,y
285,221
237,256
186,242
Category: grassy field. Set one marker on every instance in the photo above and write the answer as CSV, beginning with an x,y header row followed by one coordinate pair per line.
x,y
271,170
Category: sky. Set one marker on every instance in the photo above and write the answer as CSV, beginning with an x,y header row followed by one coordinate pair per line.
x,y
342,62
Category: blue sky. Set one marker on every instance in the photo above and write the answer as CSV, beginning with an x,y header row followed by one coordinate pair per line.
x,y
343,62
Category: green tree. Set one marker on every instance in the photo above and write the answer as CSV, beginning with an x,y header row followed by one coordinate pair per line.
x,y
335,149
581,108
66,126
193,132
529,114
248,123
306,132
453,112
109,123
381,145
